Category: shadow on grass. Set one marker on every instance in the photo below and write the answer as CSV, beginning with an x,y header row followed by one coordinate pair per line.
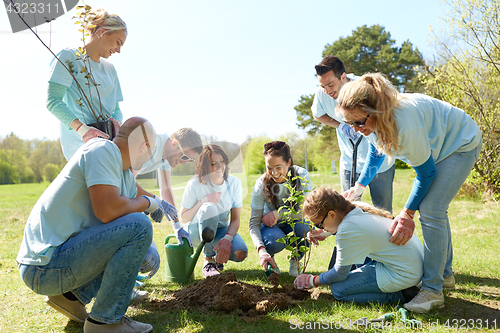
x,y
485,281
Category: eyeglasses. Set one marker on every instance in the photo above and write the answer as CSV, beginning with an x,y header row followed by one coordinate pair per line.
x,y
320,225
277,145
359,123
184,157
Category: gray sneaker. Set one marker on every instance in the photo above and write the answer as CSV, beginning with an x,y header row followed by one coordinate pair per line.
x,y
74,310
449,283
425,301
126,325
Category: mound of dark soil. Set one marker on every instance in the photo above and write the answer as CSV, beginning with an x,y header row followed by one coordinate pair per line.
x,y
225,293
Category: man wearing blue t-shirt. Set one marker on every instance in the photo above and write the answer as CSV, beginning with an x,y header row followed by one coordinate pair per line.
x,y
332,76
87,237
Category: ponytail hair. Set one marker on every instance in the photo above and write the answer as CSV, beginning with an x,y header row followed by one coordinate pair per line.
x,y
109,22
322,200
374,94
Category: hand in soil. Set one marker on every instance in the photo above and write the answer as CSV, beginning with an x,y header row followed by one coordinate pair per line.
x,y
304,281
223,249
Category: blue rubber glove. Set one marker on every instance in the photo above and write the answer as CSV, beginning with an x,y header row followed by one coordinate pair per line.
x,y
348,132
166,209
151,262
181,233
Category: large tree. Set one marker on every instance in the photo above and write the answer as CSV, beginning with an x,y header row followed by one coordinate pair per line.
x,y
467,74
368,49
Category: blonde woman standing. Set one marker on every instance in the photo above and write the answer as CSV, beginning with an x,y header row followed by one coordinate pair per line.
x,y
64,99
440,142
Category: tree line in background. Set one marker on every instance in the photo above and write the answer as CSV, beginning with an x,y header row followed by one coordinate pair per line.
x,y
29,161
465,72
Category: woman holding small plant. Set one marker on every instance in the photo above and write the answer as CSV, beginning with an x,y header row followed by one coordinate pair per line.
x,y
85,90
213,198
362,232
269,194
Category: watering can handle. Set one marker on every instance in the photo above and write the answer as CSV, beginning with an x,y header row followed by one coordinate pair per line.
x,y
169,237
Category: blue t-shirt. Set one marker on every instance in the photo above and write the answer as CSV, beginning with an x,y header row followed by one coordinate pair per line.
x,y
110,94
231,196
361,235
64,209
156,160
325,104
430,127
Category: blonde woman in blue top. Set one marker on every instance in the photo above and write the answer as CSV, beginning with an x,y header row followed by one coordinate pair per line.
x,y
440,142
106,38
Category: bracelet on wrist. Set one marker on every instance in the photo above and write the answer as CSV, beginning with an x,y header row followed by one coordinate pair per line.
x,y
407,215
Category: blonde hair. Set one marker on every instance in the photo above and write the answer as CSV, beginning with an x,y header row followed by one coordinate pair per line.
x,y
322,200
107,21
374,94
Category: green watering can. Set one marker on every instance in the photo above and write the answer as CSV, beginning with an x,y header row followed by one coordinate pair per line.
x,y
180,260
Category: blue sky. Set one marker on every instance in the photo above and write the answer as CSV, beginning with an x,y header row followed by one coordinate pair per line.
x,y
229,69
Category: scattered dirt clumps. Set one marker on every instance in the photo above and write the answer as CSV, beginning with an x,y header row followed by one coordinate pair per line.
x,y
225,293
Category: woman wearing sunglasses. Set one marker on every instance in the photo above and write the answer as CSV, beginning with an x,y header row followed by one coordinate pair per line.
x,y
269,193
213,198
393,271
440,142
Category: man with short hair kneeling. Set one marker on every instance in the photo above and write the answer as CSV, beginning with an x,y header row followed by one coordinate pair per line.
x,y
87,237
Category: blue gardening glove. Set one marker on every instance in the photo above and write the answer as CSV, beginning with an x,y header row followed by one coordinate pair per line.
x,y
151,262
348,132
167,209
181,233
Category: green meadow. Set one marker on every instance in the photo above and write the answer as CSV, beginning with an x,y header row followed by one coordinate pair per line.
x,y
472,306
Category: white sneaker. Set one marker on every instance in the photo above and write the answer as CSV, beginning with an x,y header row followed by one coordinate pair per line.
x,y
138,295
294,269
449,283
424,301
126,325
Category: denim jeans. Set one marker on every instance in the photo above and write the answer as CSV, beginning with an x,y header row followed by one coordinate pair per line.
x,y
101,262
195,229
380,187
438,251
270,235
360,286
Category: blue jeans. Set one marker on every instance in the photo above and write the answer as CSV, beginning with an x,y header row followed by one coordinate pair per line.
x,y
270,235
360,286
438,251
200,222
380,187
101,262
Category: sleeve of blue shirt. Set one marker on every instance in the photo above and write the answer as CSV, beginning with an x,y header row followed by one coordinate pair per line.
x,y
336,274
425,175
372,165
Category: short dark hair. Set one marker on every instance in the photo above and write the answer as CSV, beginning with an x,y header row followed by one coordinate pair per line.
x,y
330,63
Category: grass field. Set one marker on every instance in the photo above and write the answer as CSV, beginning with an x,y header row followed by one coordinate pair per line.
x,y
473,305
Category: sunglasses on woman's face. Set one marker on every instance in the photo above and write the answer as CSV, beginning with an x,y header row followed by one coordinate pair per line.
x,y
359,123
277,145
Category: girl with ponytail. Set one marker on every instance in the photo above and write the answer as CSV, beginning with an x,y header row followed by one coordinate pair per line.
x,y
361,231
441,142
